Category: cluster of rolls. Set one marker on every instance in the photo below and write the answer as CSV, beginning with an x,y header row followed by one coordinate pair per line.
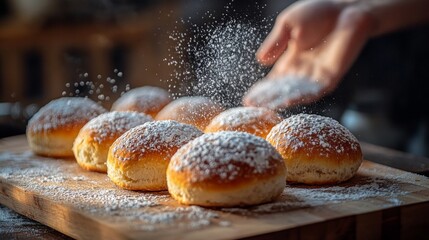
x,y
194,148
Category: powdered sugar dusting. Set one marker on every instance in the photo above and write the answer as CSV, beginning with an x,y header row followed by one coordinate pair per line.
x,y
223,154
217,59
194,110
143,99
97,87
283,92
113,124
154,136
239,116
309,131
64,111
200,216
196,105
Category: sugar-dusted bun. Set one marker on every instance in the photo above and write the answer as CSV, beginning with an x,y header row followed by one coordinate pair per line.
x,y
254,120
284,92
149,100
53,129
316,149
139,158
197,111
95,138
226,169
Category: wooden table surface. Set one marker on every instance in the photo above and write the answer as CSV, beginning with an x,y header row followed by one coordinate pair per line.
x,y
15,226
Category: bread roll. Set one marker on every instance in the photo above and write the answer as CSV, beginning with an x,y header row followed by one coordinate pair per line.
x,y
254,120
149,100
226,169
284,92
53,129
197,111
139,158
316,149
94,139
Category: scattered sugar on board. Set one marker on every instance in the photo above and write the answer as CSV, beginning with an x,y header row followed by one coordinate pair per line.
x,y
62,185
301,196
64,111
319,131
108,125
222,153
152,136
102,198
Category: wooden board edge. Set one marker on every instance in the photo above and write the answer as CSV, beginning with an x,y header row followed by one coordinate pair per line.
x,y
332,215
389,223
61,217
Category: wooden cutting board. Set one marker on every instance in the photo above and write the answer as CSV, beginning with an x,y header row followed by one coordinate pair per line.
x,y
378,202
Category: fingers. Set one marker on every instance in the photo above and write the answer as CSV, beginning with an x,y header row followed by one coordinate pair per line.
x,y
305,23
276,42
286,64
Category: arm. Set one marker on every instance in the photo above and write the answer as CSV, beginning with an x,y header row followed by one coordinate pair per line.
x,y
391,15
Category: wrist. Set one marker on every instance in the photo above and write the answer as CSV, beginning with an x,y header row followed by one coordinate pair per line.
x,y
360,11
391,15
365,11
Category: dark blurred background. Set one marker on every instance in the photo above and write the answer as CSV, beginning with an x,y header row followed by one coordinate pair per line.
x,y
54,48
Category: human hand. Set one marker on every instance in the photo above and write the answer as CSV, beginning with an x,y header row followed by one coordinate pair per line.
x,y
312,45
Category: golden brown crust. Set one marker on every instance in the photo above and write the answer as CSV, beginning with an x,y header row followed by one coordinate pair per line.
x,y
197,111
226,169
87,151
52,130
216,183
71,126
92,168
53,144
91,146
316,149
125,174
139,158
253,120
255,191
